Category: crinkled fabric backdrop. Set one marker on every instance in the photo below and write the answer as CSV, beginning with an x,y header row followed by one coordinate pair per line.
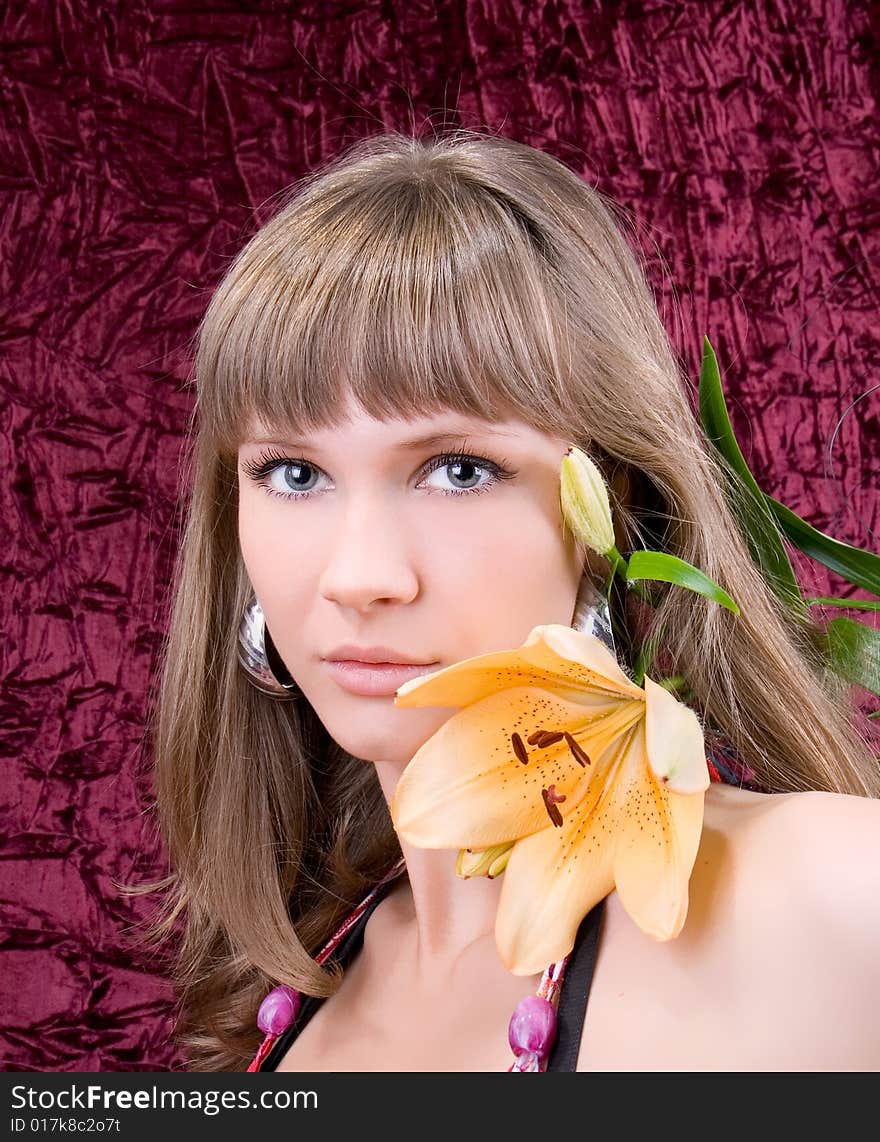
x,y
143,144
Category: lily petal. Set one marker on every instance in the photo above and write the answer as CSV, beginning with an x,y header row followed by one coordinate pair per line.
x,y
466,788
555,656
675,744
553,879
658,834
579,656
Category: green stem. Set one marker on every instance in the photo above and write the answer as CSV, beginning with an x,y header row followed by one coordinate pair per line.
x,y
619,566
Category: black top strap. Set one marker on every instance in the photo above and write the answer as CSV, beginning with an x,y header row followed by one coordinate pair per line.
x,y
572,1000
572,1009
345,951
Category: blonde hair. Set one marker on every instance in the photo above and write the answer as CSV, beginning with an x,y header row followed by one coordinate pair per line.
x,y
464,272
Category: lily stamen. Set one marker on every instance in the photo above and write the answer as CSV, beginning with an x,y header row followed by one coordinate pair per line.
x,y
579,755
551,799
519,749
544,738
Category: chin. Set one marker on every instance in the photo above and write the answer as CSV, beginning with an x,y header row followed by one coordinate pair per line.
x,y
379,732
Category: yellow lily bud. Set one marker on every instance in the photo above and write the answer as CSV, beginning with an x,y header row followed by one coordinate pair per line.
x,y
489,862
584,500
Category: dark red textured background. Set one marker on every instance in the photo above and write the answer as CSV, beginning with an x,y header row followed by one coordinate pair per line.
x,y
142,144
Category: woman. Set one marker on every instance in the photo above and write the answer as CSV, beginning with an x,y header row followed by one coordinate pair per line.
x,y
389,378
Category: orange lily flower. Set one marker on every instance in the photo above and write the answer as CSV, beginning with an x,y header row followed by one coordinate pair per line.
x,y
597,783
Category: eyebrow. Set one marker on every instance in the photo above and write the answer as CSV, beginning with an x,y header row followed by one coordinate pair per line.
x,y
416,442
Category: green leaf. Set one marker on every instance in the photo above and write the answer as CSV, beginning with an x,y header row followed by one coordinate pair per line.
x,y
762,536
670,569
852,563
854,652
846,604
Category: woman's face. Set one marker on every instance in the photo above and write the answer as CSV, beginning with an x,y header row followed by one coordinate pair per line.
x,y
367,534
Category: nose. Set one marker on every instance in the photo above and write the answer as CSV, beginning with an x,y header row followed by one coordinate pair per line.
x,y
369,560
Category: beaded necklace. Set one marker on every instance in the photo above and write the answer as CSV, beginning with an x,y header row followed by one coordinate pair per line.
x,y
531,1031
532,1028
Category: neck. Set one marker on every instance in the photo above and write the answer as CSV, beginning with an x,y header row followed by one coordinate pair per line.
x,y
445,915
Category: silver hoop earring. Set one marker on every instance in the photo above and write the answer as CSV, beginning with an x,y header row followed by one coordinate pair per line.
x,y
259,657
592,614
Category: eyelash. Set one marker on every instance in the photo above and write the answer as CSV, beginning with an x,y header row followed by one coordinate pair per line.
x,y
260,468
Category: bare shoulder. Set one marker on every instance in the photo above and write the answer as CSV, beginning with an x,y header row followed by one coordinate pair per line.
x,y
818,836
778,964
740,811
812,857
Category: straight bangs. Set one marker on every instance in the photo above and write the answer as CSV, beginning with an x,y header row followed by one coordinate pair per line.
x,y
412,296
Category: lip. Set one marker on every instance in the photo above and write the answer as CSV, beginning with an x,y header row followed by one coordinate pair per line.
x,y
375,679
384,655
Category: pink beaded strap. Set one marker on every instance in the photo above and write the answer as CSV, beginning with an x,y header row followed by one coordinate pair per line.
x,y
531,1032
532,1029
281,1006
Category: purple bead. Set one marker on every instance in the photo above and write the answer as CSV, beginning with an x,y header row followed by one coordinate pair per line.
x,y
532,1026
278,1010
526,1061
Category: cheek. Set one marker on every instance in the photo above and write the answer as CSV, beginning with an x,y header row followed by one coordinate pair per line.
x,y
252,541
519,565
275,555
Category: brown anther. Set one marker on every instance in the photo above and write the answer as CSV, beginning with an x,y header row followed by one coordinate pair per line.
x,y
543,738
551,798
579,755
519,749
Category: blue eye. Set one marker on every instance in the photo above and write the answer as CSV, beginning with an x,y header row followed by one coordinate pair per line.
x,y
459,466
281,475
294,479
292,476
